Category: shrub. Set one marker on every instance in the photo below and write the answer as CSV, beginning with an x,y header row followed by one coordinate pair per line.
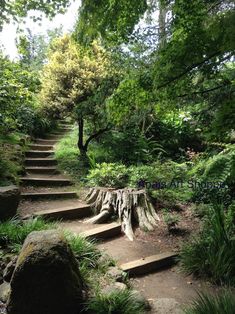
x,y
11,152
108,175
223,303
212,253
218,168
118,302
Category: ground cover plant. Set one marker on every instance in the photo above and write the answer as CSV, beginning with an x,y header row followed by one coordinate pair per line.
x,y
223,302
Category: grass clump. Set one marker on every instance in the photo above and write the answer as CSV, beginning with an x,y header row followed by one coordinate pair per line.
x,y
223,303
14,232
117,302
212,253
85,251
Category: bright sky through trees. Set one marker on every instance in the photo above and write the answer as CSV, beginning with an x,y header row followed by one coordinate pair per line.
x,y
8,35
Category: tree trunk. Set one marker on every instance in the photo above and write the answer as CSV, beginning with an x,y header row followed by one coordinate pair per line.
x,y
126,204
162,25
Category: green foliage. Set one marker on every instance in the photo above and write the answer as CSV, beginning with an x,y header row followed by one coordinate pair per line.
x,y
117,22
14,232
118,302
72,75
16,92
224,302
33,49
11,152
211,253
109,175
19,8
218,168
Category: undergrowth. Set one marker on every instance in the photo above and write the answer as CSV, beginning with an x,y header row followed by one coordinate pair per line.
x,y
117,302
211,254
223,303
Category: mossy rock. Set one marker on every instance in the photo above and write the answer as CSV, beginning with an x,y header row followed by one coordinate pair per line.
x,y
46,278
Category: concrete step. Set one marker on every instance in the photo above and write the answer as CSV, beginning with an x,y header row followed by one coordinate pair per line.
x,y
104,232
66,213
42,170
40,162
48,195
39,181
149,264
44,141
41,147
38,154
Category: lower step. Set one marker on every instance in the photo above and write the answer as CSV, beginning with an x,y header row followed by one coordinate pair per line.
x,y
149,264
45,181
48,195
104,232
42,170
40,162
80,211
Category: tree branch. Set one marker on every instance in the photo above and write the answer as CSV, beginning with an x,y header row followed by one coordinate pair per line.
x,y
189,69
204,91
95,135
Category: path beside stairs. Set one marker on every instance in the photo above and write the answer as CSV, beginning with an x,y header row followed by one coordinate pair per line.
x,y
48,193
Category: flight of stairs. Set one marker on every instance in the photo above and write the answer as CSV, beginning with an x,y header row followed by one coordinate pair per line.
x,y
47,193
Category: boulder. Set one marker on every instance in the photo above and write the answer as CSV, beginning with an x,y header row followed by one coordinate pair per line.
x,y
9,201
46,278
115,287
166,306
140,299
117,274
4,292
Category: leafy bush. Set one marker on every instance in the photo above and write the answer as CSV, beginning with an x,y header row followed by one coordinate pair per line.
x,y
118,302
11,152
211,254
126,146
218,168
109,175
223,303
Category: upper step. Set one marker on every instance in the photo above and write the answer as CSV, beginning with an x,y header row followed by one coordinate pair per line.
x,y
40,162
47,181
38,153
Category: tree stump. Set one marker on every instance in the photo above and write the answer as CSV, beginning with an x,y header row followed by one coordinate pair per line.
x,y
126,204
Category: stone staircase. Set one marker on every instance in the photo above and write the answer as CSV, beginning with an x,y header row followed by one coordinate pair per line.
x,y
47,193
